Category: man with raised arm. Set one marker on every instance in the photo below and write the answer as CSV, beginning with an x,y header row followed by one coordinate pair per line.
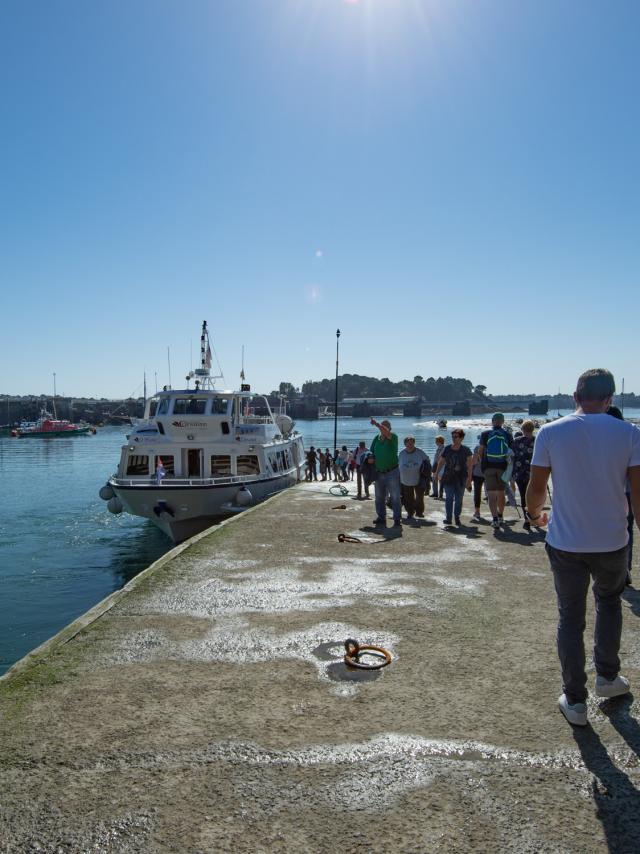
x,y
589,456
385,452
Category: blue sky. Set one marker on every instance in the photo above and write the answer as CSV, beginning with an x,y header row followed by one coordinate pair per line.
x,y
453,183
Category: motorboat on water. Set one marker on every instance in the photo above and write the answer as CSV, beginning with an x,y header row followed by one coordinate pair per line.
x,y
48,426
200,455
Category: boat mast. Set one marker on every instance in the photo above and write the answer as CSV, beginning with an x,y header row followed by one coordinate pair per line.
x,y
55,415
204,380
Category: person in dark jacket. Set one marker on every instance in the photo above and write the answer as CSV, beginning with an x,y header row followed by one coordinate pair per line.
x,y
312,464
522,453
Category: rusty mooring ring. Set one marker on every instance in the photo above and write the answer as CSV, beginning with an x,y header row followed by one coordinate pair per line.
x,y
353,650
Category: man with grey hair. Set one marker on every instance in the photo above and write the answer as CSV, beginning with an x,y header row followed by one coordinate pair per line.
x,y
589,455
385,452
412,464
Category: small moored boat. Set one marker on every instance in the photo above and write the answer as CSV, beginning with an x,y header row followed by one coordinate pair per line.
x,y
48,426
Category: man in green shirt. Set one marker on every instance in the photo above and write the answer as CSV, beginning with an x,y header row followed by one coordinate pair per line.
x,y
385,451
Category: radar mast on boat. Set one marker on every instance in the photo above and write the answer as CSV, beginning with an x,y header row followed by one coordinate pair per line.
x,y
203,377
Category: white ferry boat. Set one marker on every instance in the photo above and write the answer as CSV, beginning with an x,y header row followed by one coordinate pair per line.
x,y
200,455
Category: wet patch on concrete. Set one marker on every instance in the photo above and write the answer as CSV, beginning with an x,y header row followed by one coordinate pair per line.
x,y
388,747
269,591
233,640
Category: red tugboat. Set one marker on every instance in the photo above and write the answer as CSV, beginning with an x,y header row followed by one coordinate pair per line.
x,y
50,425
47,425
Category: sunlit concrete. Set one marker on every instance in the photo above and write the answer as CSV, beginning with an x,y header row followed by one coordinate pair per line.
x,y
207,707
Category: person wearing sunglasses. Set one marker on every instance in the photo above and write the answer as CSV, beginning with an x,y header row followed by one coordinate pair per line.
x,y
455,466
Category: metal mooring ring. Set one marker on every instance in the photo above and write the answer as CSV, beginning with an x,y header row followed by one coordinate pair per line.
x,y
354,650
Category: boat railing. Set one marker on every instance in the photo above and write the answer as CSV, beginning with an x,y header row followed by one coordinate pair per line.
x,y
149,482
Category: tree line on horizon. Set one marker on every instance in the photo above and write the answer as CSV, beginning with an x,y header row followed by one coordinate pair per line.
x,y
356,385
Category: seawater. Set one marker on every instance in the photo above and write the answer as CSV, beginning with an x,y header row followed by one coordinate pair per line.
x,y
61,551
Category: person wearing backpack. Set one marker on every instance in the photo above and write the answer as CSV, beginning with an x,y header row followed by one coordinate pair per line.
x,y
495,445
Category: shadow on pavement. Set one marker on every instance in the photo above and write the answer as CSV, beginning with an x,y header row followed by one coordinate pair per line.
x,y
616,798
385,533
471,532
522,538
632,597
618,710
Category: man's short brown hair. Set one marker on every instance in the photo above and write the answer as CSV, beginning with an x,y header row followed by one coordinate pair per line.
x,y
596,384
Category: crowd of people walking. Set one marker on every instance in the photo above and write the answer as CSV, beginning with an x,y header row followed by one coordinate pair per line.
x,y
498,464
593,458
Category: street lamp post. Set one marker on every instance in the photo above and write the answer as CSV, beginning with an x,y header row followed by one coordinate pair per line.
x,y
335,411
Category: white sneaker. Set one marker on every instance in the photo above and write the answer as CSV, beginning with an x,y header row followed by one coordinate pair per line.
x,y
477,517
612,687
576,714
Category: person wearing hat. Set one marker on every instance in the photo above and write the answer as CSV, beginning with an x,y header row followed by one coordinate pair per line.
x,y
495,445
385,452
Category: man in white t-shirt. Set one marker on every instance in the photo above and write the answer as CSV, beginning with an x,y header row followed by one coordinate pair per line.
x,y
589,456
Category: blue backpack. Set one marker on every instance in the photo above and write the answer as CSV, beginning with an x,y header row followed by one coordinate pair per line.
x,y
497,449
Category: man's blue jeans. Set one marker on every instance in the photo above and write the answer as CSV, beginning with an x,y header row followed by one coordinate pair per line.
x,y
388,481
572,572
453,492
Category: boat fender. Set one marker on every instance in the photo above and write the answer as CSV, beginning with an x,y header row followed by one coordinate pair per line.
x,y
243,497
114,505
106,492
162,507
284,423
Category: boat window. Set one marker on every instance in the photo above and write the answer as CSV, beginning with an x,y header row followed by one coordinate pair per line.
x,y
163,406
153,406
219,405
220,465
247,464
168,463
225,427
138,464
189,406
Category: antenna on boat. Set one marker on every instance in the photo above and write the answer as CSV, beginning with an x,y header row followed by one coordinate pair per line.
x,y
169,363
55,414
202,374
622,398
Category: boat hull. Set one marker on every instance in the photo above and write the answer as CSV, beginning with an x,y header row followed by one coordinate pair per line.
x,y
45,434
194,508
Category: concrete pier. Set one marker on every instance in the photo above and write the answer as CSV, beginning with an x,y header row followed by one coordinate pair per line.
x,y
206,706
